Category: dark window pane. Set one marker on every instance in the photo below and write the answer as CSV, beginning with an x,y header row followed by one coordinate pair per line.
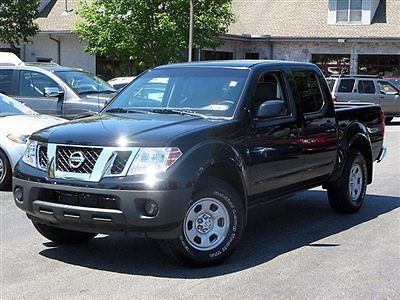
x,y
342,4
32,84
355,15
216,55
308,91
356,4
366,87
342,16
346,85
252,55
5,81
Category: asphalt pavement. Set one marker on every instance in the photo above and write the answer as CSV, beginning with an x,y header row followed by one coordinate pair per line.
x,y
296,248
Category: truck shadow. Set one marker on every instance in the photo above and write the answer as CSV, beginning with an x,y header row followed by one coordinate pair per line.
x,y
274,229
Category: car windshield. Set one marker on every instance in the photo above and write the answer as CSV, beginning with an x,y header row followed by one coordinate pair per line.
x,y
209,92
84,82
395,82
11,107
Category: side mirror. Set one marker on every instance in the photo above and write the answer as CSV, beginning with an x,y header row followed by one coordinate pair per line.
x,y
52,92
270,109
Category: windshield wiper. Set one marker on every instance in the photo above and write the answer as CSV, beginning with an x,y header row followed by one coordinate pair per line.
x,y
177,112
121,110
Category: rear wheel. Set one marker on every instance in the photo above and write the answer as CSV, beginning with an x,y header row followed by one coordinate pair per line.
x,y
63,236
349,192
212,227
388,120
5,172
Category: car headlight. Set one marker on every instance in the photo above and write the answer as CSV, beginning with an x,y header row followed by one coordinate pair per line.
x,y
18,138
30,154
154,160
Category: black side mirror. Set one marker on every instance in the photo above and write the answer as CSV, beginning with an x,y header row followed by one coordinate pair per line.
x,y
270,109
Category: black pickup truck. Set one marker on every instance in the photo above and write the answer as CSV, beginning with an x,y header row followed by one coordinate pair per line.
x,y
184,152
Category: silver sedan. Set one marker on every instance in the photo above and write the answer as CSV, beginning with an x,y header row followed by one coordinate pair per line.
x,y
17,123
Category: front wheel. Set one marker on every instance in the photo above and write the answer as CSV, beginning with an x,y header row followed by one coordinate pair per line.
x,y
349,192
212,227
63,236
5,172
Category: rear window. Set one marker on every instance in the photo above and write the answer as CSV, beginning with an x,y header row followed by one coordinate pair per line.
x,y
5,81
366,87
346,85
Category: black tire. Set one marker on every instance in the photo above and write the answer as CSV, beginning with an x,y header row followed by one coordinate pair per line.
x,y
5,172
388,120
63,236
181,249
340,196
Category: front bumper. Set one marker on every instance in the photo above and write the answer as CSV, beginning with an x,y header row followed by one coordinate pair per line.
x,y
114,211
382,154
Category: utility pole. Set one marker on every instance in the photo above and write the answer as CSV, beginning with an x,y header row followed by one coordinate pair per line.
x,y
191,30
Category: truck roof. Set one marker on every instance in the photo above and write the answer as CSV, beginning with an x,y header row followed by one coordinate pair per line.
x,y
247,64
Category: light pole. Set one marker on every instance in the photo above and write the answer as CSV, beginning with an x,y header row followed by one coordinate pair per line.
x,y
191,30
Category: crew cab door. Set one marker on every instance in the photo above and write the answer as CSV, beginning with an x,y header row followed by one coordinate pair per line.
x,y
274,143
389,98
320,137
31,86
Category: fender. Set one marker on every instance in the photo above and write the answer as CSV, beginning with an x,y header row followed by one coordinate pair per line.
x,y
354,134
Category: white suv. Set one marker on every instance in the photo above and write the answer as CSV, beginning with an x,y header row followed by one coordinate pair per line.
x,y
373,89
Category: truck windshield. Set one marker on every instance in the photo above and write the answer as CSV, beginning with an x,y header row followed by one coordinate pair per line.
x,y
85,83
11,107
207,91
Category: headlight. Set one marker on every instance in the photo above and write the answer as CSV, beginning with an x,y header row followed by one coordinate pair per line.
x,y
30,157
18,138
154,160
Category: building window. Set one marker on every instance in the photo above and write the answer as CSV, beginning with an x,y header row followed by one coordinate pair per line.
x,y
108,68
384,65
216,55
252,55
349,11
332,64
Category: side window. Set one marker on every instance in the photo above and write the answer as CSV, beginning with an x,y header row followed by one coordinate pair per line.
x,y
270,86
308,91
366,87
386,88
6,81
346,85
32,84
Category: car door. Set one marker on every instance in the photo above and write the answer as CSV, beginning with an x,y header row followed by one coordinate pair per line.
x,y
367,91
319,133
274,144
389,98
31,86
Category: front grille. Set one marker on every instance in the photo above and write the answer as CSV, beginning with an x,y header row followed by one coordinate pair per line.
x,y
43,159
64,153
120,162
79,199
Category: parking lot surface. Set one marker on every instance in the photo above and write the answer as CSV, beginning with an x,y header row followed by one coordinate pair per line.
x,y
295,248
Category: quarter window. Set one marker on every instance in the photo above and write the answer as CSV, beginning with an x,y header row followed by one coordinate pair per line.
x,y
366,87
308,91
32,84
346,85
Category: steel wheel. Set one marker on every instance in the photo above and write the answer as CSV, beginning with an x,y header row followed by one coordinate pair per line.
x,y
206,224
355,181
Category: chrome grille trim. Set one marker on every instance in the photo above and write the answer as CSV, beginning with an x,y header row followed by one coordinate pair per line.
x,y
63,153
99,167
42,157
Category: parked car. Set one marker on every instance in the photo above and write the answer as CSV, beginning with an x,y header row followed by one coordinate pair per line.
x,y
372,89
225,137
119,83
17,122
55,90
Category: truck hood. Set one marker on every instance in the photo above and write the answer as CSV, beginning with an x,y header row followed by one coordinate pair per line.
x,y
133,130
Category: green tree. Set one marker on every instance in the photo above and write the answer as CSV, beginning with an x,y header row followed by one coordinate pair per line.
x,y
150,32
17,20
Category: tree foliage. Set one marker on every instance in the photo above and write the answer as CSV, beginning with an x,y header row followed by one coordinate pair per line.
x,y
150,32
17,20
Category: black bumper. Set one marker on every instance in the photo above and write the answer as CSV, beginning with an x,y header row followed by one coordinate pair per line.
x,y
106,211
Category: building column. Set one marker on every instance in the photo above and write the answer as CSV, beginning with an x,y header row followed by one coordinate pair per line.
x,y
353,60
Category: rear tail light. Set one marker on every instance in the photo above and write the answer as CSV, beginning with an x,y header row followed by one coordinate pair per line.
x,y
334,99
383,117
